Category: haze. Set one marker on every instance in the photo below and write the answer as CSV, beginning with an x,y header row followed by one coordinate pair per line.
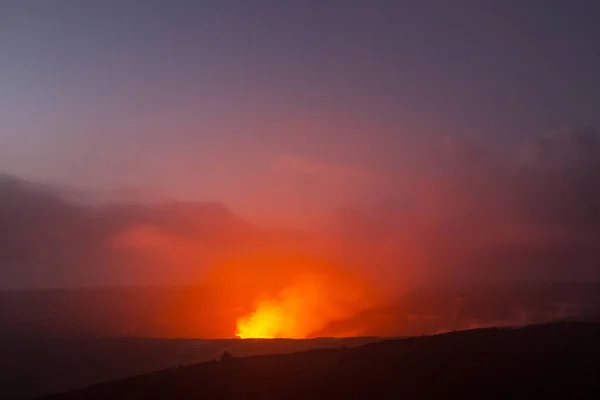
x,y
313,160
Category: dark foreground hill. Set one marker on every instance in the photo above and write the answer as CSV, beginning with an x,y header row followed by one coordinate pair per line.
x,y
560,360
35,366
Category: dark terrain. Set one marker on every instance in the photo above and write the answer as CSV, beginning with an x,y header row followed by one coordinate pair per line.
x,y
32,367
559,360
55,341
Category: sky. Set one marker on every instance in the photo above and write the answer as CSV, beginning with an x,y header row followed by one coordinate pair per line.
x,y
282,110
407,142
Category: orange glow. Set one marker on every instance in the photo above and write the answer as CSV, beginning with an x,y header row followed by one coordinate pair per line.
x,y
302,309
270,289
287,316
268,322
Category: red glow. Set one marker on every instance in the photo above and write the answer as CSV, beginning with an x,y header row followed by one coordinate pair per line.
x,y
284,297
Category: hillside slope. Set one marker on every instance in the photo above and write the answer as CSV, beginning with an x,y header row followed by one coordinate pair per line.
x,y
560,360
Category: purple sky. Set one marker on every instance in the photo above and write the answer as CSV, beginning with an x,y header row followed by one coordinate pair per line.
x,y
282,110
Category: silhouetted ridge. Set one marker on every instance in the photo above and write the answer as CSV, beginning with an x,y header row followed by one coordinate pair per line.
x,y
560,360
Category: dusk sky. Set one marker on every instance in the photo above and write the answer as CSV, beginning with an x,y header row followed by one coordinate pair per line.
x,y
280,109
296,169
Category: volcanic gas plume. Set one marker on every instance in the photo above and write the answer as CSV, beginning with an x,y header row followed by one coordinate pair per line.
x,y
298,310
287,298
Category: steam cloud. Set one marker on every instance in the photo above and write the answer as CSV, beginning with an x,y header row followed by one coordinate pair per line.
x,y
470,212
478,213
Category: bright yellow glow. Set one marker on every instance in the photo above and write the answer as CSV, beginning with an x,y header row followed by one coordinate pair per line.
x,y
294,313
303,307
266,323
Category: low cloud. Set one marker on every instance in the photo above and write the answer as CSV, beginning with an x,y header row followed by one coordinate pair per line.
x,y
48,241
470,212
474,212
